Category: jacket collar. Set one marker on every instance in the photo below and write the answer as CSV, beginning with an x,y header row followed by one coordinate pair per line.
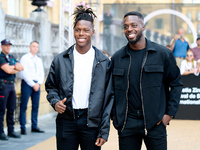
x,y
4,54
98,55
149,47
69,51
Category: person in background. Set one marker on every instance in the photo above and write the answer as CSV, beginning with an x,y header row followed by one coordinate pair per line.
x,y
196,50
143,72
77,89
188,65
180,46
106,53
198,67
169,47
9,66
32,77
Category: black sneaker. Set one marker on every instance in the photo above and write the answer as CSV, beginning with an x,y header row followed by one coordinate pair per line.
x,y
23,132
37,130
3,137
14,135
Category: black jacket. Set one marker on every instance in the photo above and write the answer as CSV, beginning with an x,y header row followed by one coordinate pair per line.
x,y
159,72
59,84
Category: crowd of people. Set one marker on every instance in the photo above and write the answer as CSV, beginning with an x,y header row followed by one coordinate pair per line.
x,y
138,88
187,59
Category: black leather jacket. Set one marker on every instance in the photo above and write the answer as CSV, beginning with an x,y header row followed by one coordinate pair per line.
x,y
59,84
159,72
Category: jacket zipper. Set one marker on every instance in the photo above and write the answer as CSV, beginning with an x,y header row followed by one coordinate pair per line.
x,y
145,129
72,87
90,92
127,94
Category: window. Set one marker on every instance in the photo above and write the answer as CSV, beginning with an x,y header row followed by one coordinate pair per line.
x,y
188,29
158,23
11,7
198,16
189,15
198,28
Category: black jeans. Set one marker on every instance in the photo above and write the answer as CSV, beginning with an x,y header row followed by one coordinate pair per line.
x,y
133,134
7,101
72,133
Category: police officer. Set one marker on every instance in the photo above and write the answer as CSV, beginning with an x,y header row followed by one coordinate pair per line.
x,y
8,68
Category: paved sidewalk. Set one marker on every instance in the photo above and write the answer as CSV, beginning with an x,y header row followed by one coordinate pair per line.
x,y
46,123
182,135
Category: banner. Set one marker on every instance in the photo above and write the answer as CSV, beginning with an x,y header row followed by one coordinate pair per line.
x,y
189,107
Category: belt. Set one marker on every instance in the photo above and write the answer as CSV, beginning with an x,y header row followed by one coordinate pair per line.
x,y
81,109
136,113
81,112
7,81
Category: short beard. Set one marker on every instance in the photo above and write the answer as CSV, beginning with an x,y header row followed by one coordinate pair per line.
x,y
136,40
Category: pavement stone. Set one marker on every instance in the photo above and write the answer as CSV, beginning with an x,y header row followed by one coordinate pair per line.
x,y
181,135
46,123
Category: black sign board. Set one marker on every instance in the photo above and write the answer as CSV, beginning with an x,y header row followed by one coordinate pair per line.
x,y
189,107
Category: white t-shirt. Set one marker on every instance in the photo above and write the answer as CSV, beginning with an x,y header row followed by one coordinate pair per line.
x,y
83,64
187,66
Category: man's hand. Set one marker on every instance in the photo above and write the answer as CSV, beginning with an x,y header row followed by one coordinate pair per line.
x,y
60,107
100,142
36,87
166,119
176,37
19,67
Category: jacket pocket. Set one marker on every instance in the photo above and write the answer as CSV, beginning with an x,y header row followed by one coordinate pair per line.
x,y
118,71
154,68
118,76
153,74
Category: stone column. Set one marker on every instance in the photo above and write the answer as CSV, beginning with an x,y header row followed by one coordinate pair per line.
x,y
2,23
44,30
44,38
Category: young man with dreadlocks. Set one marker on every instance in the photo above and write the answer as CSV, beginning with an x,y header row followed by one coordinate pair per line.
x,y
77,89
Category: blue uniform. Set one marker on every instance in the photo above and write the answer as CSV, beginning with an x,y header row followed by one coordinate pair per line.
x,y
7,93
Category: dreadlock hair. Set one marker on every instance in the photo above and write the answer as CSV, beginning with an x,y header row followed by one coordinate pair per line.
x,y
134,13
84,14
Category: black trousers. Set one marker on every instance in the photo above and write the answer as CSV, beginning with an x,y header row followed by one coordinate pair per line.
x,y
72,133
7,101
133,134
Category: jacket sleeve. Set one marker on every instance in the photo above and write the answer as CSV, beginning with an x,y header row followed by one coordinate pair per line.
x,y
51,86
172,78
107,106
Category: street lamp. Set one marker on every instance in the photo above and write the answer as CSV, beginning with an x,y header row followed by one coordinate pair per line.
x,y
39,3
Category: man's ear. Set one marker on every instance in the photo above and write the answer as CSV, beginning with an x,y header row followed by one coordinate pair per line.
x,y
143,27
93,31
